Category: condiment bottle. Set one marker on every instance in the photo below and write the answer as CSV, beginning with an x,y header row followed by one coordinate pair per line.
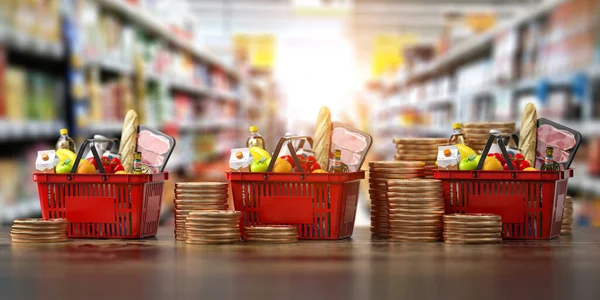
x,y
457,137
255,139
549,163
338,166
65,142
137,163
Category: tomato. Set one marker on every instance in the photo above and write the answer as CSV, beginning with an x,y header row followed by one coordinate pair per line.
x,y
93,162
499,157
515,167
519,157
524,165
115,161
117,168
289,159
311,159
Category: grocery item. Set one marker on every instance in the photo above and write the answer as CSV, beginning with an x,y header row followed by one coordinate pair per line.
x,y
212,227
85,167
64,167
549,163
528,134
137,163
472,228
156,148
448,158
354,144
64,154
258,153
282,166
281,234
307,164
197,196
128,144
255,139
413,217
469,163
39,231
465,151
492,164
564,140
457,137
46,161
323,136
240,160
567,219
337,166
65,142
260,165
379,174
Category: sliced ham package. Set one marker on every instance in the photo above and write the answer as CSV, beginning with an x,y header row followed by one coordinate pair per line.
x,y
354,144
155,146
564,140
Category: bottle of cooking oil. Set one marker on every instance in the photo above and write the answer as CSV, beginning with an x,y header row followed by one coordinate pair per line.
x,y
338,166
549,163
255,139
457,137
65,142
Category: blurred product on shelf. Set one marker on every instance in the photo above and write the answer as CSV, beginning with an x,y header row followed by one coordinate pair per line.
x,y
593,157
39,19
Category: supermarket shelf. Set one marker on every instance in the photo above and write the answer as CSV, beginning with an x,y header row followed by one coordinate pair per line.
x,y
583,181
208,125
109,64
31,45
226,96
193,88
103,128
140,17
190,87
479,44
29,130
29,207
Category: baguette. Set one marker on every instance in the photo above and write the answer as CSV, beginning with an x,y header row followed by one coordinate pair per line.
x,y
129,140
528,134
322,146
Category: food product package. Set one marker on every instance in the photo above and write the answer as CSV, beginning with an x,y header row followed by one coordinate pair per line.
x,y
129,140
323,136
46,161
448,158
564,140
240,160
156,148
354,144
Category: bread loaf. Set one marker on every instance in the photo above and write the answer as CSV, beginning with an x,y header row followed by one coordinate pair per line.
x,y
129,140
322,145
528,134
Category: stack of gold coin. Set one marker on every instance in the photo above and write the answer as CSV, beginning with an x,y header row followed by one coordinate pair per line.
x,y
194,196
213,227
39,231
379,173
416,207
478,133
420,149
272,234
567,221
472,229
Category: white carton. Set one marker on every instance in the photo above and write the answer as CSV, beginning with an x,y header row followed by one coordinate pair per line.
x,y
240,160
46,161
448,158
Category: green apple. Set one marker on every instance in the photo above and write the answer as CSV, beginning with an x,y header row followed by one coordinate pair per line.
x,y
64,167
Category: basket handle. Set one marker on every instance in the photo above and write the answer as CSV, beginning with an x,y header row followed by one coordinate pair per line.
x,y
501,144
288,139
92,145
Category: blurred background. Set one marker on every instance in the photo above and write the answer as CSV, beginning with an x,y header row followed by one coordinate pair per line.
x,y
203,71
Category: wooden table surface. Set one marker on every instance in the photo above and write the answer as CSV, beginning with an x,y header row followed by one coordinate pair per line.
x,y
357,268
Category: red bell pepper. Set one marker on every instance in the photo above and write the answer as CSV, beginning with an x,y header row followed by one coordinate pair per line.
x,y
117,168
289,159
523,164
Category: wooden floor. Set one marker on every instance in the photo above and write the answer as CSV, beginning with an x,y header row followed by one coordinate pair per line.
x,y
358,268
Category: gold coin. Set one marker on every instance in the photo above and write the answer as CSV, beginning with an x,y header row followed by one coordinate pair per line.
x,y
416,228
38,241
394,215
414,189
193,207
214,229
404,239
271,228
477,235
473,241
418,141
416,210
472,217
41,222
492,229
416,182
198,234
202,198
395,164
400,170
394,205
201,193
416,194
196,241
399,176
419,147
39,232
397,233
216,214
416,199
206,185
202,202
463,224
430,222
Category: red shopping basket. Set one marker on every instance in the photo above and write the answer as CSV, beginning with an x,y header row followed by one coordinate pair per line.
x,y
321,205
530,202
102,205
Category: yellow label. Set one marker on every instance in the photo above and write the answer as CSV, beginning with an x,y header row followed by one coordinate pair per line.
x,y
259,49
388,54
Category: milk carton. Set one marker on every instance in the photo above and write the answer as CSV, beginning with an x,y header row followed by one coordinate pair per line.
x,y
46,161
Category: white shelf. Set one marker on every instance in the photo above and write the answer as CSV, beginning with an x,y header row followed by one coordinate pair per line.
x,y
190,87
104,128
23,208
33,45
142,18
12,130
110,64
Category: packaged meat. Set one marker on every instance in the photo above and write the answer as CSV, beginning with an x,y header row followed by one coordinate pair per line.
x,y
155,146
353,143
564,140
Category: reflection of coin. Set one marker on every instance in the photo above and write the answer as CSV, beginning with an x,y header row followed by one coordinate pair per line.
x,y
395,164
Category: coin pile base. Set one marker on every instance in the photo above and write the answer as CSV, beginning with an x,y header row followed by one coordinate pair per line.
x,y
272,234
420,149
39,231
416,207
195,196
472,229
213,227
567,221
379,173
